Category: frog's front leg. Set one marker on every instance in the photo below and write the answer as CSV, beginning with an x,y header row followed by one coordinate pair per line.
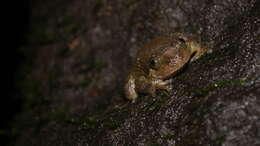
x,y
159,83
150,85
163,84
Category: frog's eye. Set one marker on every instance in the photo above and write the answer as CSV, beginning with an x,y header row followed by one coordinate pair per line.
x,y
182,40
152,63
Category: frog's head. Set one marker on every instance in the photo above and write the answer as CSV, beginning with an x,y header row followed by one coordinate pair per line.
x,y
171,59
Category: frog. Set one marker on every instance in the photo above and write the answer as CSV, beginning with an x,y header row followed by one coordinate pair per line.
x,y
158,61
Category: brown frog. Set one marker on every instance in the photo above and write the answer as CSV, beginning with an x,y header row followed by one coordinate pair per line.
x,y
158,61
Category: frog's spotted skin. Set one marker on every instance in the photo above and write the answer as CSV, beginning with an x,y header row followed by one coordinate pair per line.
x,y
158,61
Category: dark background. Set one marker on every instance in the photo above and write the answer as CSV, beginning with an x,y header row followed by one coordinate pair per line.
x,y
15,27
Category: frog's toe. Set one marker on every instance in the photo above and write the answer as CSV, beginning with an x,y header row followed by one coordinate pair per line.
x,y
169,81
166,85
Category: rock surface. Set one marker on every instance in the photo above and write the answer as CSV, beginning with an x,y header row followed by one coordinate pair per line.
x,y
83,49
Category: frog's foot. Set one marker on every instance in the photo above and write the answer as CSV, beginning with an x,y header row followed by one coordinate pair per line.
x,y
196,55
197,50
165,85
168,85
